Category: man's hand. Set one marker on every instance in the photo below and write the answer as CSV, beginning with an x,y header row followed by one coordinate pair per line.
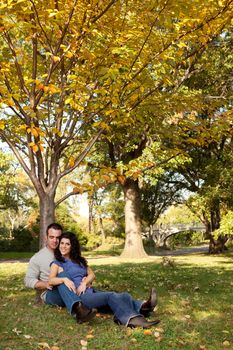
x,y
84,280
48,286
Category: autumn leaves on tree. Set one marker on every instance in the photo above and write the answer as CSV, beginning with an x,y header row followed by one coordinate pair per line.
x,y
75,72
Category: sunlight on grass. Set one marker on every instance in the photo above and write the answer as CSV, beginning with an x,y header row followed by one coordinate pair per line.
x,y
195,307
202,315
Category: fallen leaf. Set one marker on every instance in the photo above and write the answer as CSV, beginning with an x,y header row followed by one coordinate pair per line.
x,y
27,336
129,332
133,340
181,341
15,330
54,347
187,316
159,329
90,336
202,347
156,334
226,344
147,332
83,342
44,345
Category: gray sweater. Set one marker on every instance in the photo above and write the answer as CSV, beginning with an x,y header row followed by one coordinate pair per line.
x,y
39,267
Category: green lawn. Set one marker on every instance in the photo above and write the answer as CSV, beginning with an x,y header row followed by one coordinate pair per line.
x,y
195,307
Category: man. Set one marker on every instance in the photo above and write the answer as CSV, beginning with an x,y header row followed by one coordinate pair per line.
x,y
38,273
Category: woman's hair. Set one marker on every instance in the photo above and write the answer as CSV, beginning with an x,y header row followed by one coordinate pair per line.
x,y
75,251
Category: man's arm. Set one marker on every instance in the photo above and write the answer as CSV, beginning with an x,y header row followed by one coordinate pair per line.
x,y
32,278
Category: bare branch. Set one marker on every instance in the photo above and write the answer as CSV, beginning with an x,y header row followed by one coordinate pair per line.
x,y
64,198
81,156
17,65
111,3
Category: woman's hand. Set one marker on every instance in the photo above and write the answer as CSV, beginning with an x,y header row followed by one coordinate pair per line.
x,y
69,284
81,288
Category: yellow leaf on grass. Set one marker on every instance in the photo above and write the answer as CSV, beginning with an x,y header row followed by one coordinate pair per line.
x,y
147,332
226,344
43,345
90,336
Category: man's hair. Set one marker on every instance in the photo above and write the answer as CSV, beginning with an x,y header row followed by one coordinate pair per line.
x,y
55,226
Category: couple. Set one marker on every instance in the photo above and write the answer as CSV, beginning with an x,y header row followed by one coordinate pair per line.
x,y
69,283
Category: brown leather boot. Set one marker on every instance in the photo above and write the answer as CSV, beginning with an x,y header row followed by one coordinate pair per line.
x,y
82,313
149,305
140,321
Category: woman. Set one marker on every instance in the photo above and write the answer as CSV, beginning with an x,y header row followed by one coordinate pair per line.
x,y
71,269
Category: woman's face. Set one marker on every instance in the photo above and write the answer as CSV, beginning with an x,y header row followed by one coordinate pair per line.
x,y
65,247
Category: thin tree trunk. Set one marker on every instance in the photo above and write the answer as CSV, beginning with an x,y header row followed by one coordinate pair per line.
x,y
133,240
103,236
90,215
47,215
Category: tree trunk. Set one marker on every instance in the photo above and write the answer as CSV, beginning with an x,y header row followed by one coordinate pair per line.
x,y
133,240
103,236
47,215
216,246
90,216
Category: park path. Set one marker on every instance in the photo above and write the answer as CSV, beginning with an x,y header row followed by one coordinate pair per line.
x,y
183,251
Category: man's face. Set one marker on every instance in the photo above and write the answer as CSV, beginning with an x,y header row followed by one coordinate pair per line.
x,y
53,238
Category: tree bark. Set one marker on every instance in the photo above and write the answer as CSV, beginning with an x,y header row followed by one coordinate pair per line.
x,y
47,215
133,241
103,236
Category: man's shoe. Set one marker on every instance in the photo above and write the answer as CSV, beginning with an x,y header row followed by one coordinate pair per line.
x,y
140,321
149,305
83,314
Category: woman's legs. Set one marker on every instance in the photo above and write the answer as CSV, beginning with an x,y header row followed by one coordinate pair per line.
x,y
69,298
121,304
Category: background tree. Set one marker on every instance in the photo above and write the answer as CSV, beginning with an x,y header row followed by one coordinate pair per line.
x,y
156,199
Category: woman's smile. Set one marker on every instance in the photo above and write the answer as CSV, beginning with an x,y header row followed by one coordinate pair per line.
x,y
65,247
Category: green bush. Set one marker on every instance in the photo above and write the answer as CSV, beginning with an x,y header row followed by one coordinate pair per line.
x,y
186,238
21,242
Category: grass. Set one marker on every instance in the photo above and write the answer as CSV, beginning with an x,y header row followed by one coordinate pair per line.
x,y
15,255
195,307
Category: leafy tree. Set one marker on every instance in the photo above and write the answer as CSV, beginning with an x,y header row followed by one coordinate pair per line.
x,y
69,70
156,199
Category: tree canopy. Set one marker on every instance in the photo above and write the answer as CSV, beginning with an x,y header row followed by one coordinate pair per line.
x,y
70,71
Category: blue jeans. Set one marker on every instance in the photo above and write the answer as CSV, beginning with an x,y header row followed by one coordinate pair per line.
x,y
123,306
62,296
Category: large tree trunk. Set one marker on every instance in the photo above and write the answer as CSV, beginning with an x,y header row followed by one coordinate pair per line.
x,y
47,215
133,240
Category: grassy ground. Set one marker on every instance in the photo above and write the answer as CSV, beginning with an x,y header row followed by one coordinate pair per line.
x,y
195,307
